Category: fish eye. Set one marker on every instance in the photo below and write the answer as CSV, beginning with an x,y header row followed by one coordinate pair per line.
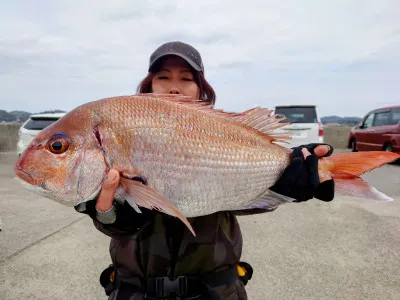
x,y
58,144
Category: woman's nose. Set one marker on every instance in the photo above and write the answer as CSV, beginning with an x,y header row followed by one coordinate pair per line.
x,y
174,91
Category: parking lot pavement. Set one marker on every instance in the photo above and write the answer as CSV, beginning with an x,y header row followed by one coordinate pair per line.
x,y
345,249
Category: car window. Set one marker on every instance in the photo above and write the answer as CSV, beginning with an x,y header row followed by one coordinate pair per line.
x,y
395,116
381,118
39,123
298,114
368,121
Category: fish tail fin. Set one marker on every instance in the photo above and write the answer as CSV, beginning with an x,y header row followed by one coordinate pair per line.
x,y
347,167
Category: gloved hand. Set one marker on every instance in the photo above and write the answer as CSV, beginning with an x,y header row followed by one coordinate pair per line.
x,y
300,180
117,218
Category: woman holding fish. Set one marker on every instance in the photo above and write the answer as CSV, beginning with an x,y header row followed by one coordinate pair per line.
x,y
164,174
154,254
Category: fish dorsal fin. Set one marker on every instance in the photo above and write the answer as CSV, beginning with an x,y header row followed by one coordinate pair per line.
x,y
258,118
264,121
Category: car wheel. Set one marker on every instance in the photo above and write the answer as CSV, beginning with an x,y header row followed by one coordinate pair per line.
x,y
353,145
388,148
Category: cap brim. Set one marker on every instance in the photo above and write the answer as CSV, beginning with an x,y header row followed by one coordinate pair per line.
x,y
187,59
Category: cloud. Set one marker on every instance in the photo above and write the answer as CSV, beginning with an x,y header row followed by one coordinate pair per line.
x,y
341,55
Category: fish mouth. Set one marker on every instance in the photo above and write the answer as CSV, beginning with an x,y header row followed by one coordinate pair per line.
x,y
36,185
27,177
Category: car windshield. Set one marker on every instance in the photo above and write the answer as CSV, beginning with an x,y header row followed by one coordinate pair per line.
x,y
298,114
39,123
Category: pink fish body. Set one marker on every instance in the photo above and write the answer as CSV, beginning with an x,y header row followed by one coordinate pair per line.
x,y
175,154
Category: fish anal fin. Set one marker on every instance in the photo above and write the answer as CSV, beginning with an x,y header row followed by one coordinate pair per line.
x,y
149,198
267,201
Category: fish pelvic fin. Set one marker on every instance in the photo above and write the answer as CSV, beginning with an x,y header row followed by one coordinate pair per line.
x,y
345,169
145,196
260,119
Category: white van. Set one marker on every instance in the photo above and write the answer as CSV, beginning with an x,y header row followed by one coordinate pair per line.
x,y
33,126
305,126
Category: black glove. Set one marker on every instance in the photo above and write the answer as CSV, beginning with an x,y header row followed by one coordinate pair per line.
x,y
300,180
127,221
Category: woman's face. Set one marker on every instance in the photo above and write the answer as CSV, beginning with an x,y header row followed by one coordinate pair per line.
x,y
175,77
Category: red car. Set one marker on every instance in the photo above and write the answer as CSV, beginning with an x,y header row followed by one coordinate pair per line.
x,y
379,130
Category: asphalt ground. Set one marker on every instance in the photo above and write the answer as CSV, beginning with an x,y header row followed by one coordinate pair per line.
x,y
346,249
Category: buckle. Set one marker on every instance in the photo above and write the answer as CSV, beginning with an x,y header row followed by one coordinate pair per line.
x,y
166,287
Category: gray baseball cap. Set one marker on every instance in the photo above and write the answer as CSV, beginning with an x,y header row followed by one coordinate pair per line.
x,y
185,51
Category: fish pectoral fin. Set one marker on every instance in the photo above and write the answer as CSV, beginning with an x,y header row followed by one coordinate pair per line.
x,y
149,198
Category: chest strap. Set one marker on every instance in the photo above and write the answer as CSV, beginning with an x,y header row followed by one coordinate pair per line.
x,y
181,287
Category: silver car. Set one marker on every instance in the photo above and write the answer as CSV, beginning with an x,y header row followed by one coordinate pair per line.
x,y
305,125
33,126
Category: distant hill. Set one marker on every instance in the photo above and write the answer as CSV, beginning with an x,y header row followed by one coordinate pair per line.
x,y
341,120
17,116
20,116
18,113
6,117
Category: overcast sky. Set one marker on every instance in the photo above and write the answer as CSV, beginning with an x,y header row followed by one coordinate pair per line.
x,y
342,55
